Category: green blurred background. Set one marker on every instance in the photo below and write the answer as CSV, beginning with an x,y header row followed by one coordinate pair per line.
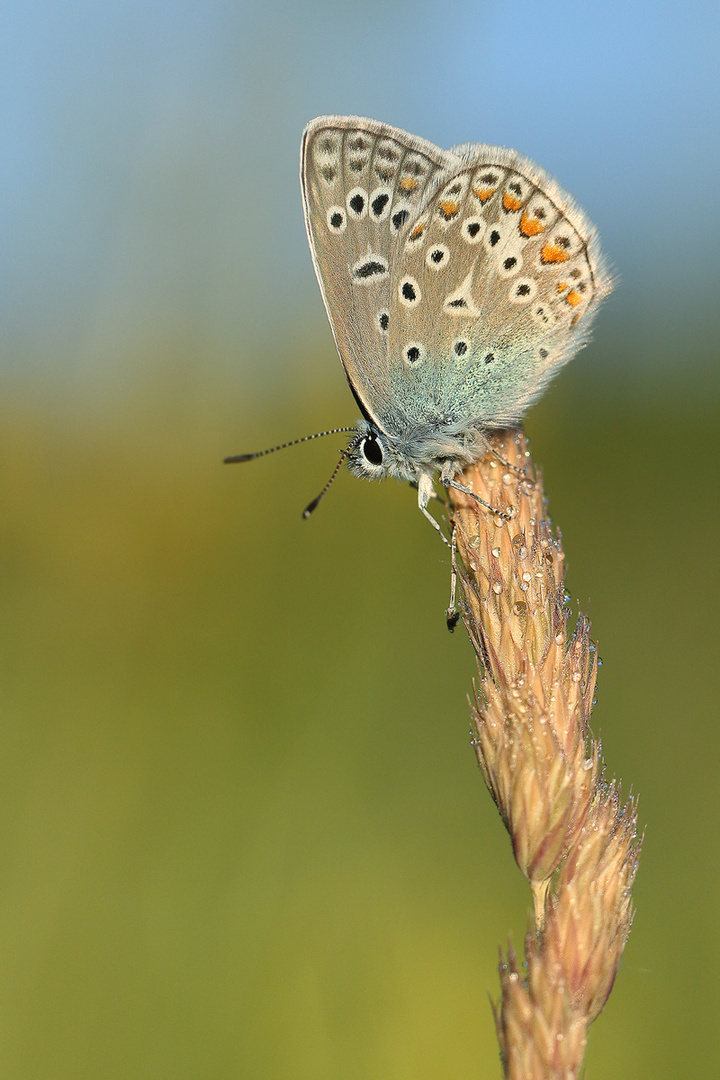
x,y
242,832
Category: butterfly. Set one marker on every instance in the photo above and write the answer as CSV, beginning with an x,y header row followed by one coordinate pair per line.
x,y
457,283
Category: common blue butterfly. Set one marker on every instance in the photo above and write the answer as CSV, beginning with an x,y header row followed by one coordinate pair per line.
x,y
456,282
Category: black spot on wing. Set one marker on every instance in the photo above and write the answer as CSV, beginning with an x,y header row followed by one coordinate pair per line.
x,y
371,268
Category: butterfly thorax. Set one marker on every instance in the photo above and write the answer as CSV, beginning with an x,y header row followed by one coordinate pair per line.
x,y
417,450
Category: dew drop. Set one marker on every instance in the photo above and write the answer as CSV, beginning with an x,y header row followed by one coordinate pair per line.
x,y
527,577
524,586
497,587
496,552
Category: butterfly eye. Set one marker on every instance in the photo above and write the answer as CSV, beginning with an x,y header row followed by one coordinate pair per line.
x,y
372,450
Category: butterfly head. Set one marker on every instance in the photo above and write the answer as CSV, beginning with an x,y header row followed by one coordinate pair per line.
x,y
374,454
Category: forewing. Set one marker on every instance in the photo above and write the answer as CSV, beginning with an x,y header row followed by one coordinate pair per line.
x,y
492,291
362,184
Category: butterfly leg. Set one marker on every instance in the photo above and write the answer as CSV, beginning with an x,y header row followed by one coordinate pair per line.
x,y
425,493
466,491
471,493
433,494
452,615
506,464
449,482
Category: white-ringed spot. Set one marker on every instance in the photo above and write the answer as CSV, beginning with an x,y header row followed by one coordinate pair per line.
x,y
369,269
437,256
380,201
336,219
473,229
496,236
357,202
522,291
409,292
413,353
509,264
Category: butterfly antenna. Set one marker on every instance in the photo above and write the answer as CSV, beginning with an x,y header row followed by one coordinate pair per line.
x,y
311,506
283,446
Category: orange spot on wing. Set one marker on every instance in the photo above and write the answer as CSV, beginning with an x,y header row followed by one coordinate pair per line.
x,y
417,232
551,254
483,194
511,202
448,208
408,183
530,226
574,297
562,286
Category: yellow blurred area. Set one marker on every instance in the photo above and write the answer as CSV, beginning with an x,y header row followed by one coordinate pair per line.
x,y
241,828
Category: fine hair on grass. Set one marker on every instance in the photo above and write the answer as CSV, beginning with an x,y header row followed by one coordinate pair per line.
x,y
573,838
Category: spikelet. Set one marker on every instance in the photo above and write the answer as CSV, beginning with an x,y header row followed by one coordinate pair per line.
x,y
573,839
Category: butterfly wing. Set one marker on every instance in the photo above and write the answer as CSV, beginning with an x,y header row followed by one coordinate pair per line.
x,y
494,285
362,183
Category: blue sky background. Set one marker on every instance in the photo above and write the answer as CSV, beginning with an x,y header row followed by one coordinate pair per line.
x,y
148,157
